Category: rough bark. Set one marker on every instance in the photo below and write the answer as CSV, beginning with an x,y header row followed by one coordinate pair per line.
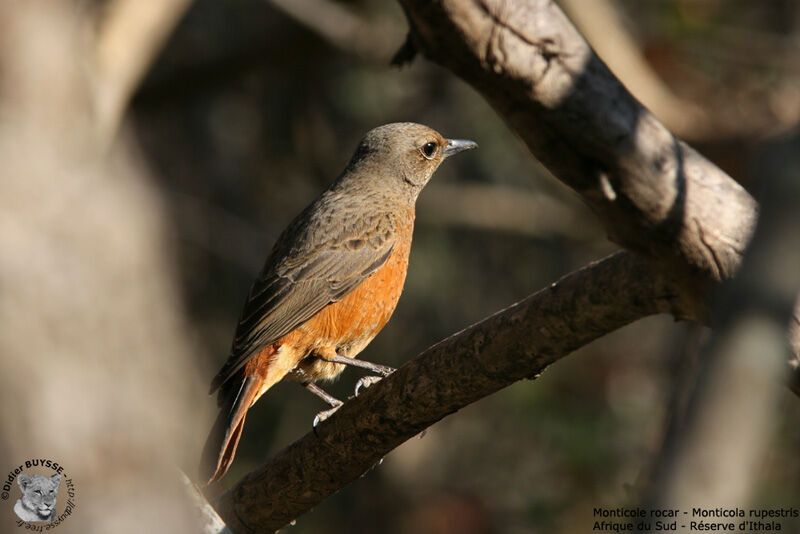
x,y
655,194
518,342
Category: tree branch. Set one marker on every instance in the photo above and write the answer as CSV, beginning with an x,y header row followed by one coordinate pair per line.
x,y
655,194
518,342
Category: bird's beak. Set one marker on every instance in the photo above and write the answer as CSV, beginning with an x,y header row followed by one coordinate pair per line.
x,y
454,146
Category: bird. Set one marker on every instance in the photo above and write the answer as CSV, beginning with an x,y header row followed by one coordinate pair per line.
x,y
330,283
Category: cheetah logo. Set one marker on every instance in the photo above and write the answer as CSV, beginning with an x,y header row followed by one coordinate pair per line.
x,y
38,501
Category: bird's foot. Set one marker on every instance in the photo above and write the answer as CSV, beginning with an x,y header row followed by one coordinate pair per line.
x,y
321,416
366,381
385,370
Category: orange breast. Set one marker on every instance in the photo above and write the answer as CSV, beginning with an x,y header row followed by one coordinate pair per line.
x,y
353,321
346,326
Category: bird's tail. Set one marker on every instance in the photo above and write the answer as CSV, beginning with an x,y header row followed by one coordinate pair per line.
x,y
221,444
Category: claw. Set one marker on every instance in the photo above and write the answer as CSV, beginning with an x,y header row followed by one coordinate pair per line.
x,y
321,416
366,381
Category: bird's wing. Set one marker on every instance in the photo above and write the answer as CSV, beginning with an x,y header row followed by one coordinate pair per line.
x,y
295,287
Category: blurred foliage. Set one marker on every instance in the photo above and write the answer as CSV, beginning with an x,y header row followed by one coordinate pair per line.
x,y
247,116
739,59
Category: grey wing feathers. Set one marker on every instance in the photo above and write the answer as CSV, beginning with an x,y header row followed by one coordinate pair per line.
x,y
297,288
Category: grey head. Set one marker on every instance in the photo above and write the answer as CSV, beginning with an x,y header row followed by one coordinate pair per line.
x,y
396,160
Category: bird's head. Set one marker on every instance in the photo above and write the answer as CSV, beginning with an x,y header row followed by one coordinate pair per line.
x,y
401,157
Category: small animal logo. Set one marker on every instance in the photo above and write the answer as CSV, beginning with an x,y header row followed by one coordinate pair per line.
x,y
38,501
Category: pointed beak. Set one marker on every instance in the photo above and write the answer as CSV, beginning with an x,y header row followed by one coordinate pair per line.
x,y
454,146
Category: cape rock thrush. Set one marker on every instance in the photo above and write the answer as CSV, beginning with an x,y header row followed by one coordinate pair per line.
x,y
331,281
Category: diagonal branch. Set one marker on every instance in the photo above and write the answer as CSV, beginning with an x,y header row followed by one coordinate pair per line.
x,y
654,194
518,342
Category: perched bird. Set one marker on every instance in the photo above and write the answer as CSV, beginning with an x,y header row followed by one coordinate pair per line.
x,y
330,283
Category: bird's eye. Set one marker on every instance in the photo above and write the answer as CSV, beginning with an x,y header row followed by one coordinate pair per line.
x,y
429,149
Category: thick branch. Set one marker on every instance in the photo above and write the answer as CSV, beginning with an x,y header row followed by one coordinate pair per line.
x,y
518,342
655,194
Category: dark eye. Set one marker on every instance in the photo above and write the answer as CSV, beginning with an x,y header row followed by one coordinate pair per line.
x,y
429,149
37,492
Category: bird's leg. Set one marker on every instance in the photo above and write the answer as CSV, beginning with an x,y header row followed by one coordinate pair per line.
x,y
365,381
383,370
322,394
327,397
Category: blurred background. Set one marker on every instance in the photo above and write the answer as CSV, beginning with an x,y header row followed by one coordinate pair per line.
x,y
250,110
